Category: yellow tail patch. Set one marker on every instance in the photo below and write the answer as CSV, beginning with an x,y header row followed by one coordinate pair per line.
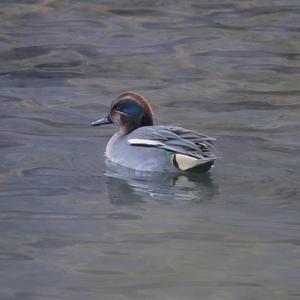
x,y
185,162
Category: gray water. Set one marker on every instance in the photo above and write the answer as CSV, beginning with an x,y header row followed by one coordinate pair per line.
x,y
71,229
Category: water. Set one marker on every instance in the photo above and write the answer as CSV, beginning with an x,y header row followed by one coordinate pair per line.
x,y
71,229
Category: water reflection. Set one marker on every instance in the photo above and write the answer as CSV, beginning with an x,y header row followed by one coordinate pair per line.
x,y
126,186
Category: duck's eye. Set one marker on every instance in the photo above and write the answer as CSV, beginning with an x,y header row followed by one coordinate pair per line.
x,y
117,107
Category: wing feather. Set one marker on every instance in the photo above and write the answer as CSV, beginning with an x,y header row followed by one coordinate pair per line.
x,y
174,139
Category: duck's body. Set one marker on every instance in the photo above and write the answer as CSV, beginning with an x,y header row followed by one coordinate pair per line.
x,y
143,147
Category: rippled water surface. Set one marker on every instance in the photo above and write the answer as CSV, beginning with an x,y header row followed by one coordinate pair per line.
x,y
72,229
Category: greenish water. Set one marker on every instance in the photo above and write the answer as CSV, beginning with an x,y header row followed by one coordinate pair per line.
x,y
71,229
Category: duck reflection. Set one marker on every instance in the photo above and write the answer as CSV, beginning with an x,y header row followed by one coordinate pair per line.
x,y
127,187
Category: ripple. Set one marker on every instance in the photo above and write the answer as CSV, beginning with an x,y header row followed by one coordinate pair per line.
x,y
9,143
33,192
123,216
248,54
30,73
47,122
231,106
271,92
24,52
137,12
48,216
14,256
54,243
69,64
269,67
134,291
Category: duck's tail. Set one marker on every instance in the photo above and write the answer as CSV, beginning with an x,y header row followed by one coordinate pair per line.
x,y
189,163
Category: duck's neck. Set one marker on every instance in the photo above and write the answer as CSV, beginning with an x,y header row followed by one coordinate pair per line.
x,y
146,120
126,129
129,125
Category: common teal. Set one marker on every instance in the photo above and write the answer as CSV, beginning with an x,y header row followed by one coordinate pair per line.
x,y
141,146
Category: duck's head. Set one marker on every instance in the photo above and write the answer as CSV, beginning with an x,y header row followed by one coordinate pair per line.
x,y
128,112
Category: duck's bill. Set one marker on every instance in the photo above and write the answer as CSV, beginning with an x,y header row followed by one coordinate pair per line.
x,y
102,121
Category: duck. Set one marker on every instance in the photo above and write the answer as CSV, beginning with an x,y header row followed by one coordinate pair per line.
x,y
140,145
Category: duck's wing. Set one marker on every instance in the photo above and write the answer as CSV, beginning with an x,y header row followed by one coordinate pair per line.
x,y
176,140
